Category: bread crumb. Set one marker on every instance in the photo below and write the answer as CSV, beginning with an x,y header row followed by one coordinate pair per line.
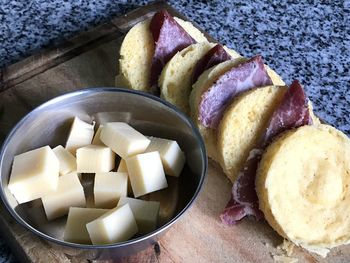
x,y
286,247
285,250
284,259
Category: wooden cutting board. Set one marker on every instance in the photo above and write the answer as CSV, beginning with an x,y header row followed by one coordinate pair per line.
x,y
90,60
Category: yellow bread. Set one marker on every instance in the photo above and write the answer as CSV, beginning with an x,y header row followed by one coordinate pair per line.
x,y
242,125
136,53
175,80
303,187
204,82
233,53
276,79
315,120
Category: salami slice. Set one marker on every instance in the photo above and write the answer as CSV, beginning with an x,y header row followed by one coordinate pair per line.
x,y
293,112
213,57
169,37
247,75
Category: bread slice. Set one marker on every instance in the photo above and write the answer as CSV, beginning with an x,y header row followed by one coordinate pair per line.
x,y
175,80
136,53
302,184
242,125
276,79
204,82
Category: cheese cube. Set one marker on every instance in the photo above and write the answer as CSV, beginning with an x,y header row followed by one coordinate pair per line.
x,y
97,140
123,169
122,166
123,139
173,159
145,213
109,187
34,174
80,134
69,193
67,161
146,173
95,159
117,225
75,230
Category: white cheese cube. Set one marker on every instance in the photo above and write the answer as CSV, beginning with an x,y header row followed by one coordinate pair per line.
x,y
69,193
146,173
80,134
67,161
145,213
117,225
95,159
109,187
75,230
34,174
122,167
96,140
123,139
173,159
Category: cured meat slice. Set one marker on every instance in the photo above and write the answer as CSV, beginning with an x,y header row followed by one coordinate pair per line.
x,y
213,57
292,112
169,37
234,212
247,75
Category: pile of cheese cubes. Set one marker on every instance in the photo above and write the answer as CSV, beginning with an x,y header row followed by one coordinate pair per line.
x,y
55,175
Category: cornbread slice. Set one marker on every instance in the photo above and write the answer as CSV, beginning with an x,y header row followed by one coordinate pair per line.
x,y
175,80
204,82
302,184
242,125
276,79
233,53
136,53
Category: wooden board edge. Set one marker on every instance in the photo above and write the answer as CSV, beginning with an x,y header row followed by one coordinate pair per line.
x,y
47,58
11,240
29,67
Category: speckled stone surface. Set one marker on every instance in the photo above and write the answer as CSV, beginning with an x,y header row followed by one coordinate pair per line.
x,y
307,41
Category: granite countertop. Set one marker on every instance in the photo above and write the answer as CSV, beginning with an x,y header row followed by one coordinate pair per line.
x,y
305,41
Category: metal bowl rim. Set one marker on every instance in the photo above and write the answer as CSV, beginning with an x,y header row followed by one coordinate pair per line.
x,y
82,92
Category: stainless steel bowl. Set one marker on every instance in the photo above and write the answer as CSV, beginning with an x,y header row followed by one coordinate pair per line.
x,y
49,125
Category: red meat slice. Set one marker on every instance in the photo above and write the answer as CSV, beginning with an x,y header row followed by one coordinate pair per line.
x,y
247,75
213,57
169,37
293,112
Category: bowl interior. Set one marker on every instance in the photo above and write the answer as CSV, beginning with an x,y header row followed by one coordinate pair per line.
x,y
49,125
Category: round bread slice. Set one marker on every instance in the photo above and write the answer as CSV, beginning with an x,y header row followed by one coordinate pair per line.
x,y
175,80
276,79
136,53
242,125
303,184
202,84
